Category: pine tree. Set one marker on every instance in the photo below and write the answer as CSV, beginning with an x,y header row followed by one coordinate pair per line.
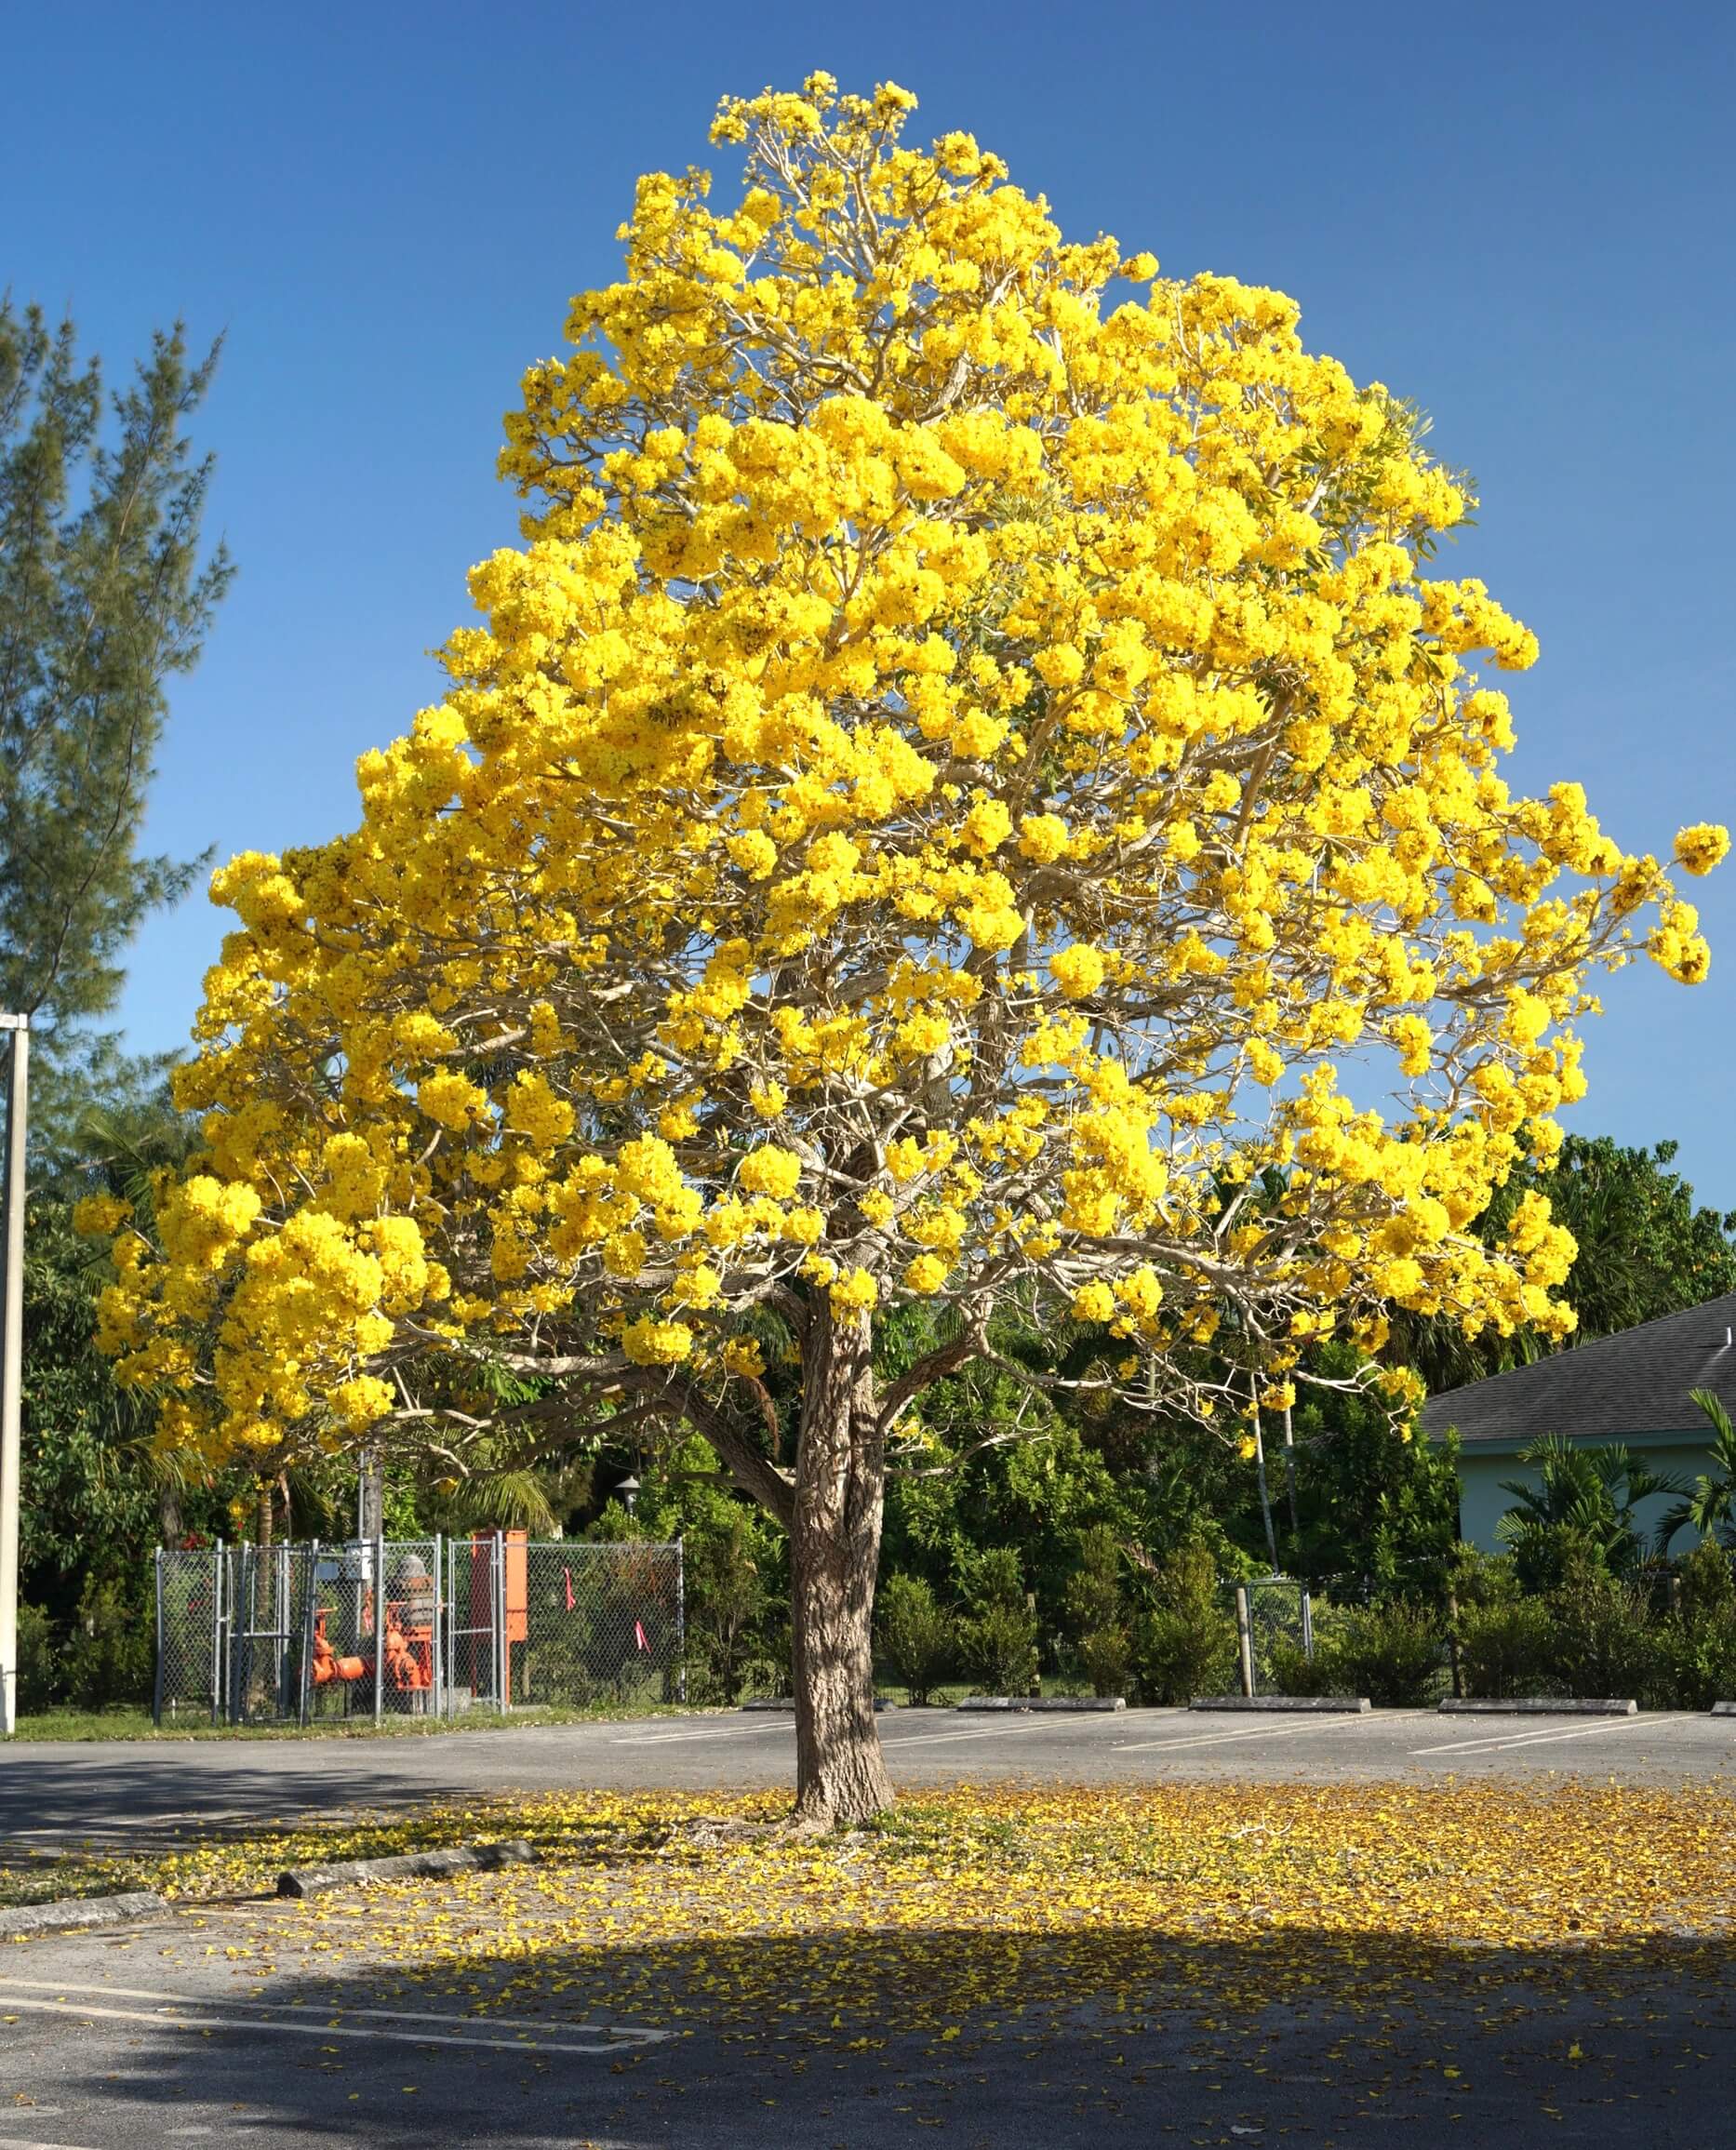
x,y
104,594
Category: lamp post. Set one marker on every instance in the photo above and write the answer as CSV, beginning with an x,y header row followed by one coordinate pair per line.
x,y
629,1491
11,1361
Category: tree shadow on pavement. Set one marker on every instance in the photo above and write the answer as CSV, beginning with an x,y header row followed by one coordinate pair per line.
x,y
1014,2040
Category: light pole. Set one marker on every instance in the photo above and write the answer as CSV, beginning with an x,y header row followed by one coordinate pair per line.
x,y
12,1361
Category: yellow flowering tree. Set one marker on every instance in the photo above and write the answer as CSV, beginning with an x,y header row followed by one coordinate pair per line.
x,y
970,790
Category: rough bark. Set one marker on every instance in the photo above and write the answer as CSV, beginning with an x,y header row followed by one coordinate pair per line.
x,y
835,1553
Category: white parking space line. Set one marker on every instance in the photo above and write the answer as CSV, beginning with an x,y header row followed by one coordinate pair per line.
x,y
1495,1743
29,2143
178,2019
897,1747
1259,1732
59,1988
722,1732
137,1822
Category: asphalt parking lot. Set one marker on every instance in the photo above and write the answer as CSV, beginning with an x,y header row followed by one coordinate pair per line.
x,y
86,1790
225,2023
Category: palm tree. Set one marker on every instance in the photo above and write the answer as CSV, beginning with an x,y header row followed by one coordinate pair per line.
x,y
1711,1503
1585,1496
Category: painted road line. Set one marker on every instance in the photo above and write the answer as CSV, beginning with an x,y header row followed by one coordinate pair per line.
x,y
29,2143
897,1747
59,1988
157,2020
724,1732
1261,1732
1494,1746
141,1822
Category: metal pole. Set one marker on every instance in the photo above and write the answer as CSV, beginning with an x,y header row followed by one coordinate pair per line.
x,y
379,1623
309,1602
503,1653
681,1624
216,1633
436,1662
1245,1637
156,1685
12,1362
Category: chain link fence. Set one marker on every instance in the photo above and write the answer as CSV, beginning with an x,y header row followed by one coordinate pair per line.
x,y
1280,1611
424,1627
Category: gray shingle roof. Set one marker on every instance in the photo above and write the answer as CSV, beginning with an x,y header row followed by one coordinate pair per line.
x,y
1618,1386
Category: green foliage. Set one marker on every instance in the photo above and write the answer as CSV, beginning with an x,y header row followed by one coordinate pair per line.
x,y
1391,1650
1698,1646
1092,1598
1374,1504
1710,1504
735,1571
1095,1611
1581,1509
1505,1648
918,1636
1184,1641
1603,1640
41,1676
111,1654
997,1639
726,1600
1107,1655
103,597
1645,1250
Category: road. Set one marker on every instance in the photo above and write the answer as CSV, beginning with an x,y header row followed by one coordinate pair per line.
x,y
226,2023
81,1789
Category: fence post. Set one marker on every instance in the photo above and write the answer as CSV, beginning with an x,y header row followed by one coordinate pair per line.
x,y
156,1686
309,1602
379,1623
436,1700
1452,1646
216,1633
681,1621
503,1648
1245,1638
1307,1623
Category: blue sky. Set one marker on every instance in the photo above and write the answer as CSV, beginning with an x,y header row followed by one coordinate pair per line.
x,y
1519,215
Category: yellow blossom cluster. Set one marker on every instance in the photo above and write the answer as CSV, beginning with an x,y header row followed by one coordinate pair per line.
x,y
967,769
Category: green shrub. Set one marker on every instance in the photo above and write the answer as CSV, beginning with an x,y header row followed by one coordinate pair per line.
x,y
39,1666
1603,1640
111,1655
1506,1647
1092,1598
1095,1613
1697,1644
998,1640
1185,1644
1107,1656
918,1636
1391,1651
726,1602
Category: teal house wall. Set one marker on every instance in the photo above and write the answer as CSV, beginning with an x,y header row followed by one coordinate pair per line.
x,y
1635,1390
1482,1502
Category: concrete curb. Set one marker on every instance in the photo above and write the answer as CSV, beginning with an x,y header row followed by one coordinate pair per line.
x,y
786,1703
1058,1702
406,1866
1307,1705
1539,1706
1722,1710
70,1911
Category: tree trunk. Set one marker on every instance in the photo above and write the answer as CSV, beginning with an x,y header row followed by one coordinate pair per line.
x,y
834,1551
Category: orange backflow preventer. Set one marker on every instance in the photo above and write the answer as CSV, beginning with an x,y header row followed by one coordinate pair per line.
x,y
409,1656
328,1664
